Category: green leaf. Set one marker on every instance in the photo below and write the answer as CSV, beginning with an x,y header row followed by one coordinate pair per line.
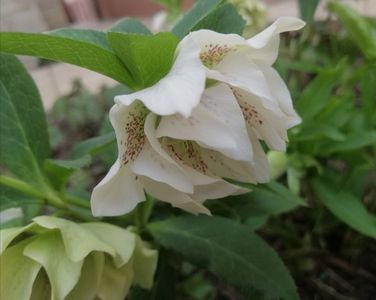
x,y
24,140
316,95
94,37
82,48
264,200
230,251
129,25
196,14
353,141
148,58
307,9
359,29
367,83
17,273
224,19
94,145
9,198
58,171
346,207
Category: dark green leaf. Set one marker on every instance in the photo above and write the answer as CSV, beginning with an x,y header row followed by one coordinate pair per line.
x,y
316,95
353,141
224,19
196,14
359,29
367,83
307,9
269,199
94,37
10,198
166,277
58,171
23,130
94,145
230,251
129,25
346,207
87,51
148,58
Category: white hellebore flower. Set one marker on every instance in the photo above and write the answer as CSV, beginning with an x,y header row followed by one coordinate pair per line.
x,y
178,140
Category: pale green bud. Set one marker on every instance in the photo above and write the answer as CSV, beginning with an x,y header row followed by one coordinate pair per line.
x,y
277,163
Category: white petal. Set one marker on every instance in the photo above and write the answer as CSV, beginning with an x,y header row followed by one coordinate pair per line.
x,y
236,70
205,37
166,193
260,168
264,45
118,193
162,168
218,189
179,91
281,95
216,123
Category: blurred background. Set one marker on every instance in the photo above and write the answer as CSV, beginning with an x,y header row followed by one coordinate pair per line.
x,y
55,79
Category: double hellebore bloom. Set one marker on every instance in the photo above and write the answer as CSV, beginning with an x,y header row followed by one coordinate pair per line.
x,y
201,123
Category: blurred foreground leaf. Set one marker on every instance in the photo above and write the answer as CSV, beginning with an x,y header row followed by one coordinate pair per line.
x,y
230,251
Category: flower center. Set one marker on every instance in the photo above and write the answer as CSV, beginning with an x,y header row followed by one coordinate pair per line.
x,y
187,153
135,135
213,54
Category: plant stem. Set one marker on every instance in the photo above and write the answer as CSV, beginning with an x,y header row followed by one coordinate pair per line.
x,y
45,193
77,201
143,212
21,186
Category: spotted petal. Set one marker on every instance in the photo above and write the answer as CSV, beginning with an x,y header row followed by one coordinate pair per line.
x,y
119,192
216,123
154,163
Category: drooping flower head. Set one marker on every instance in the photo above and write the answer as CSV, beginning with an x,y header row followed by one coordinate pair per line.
x,y
201,123
53,258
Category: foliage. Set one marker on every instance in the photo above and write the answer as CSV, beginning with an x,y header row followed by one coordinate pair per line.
x,y
319,214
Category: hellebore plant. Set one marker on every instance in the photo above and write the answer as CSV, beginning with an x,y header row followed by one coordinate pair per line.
x,y
204,106
178,139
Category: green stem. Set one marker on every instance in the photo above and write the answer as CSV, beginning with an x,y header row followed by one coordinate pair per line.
x,y
77,201
143,212
46,193
21,186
